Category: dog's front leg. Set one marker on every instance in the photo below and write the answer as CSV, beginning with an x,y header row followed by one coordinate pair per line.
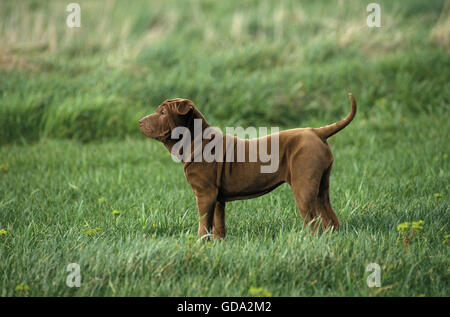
x,y
206,205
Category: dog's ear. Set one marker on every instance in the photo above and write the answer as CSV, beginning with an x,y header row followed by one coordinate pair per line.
x,y
184,106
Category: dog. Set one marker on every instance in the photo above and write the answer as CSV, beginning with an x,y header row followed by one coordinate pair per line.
x,y
304,162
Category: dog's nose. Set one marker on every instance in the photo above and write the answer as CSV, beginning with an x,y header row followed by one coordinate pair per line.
x,y
141,122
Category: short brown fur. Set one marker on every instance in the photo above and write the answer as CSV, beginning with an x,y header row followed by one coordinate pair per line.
x,y
305,162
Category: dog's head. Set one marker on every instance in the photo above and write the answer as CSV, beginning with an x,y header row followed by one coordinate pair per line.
x,y
170,114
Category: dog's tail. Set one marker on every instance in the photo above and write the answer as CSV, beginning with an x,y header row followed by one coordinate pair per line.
x,y
327,131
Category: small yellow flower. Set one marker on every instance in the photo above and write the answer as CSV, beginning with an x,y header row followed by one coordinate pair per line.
x,y
91,232
3,232
101,200
418,225
23,287
403,226
116,212
437,195
446,240
259,292
4,167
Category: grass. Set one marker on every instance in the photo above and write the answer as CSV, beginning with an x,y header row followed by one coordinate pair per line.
x,y
69,104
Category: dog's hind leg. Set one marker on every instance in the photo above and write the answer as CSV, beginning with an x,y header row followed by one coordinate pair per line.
x,y
329,218
305,187
219,220
310,184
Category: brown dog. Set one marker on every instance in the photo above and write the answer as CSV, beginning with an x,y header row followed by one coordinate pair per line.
x,y
304,162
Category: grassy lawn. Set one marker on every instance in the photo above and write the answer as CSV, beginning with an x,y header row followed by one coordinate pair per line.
x,y
71,151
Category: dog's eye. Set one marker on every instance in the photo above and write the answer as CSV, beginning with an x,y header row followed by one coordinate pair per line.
x,y
163,112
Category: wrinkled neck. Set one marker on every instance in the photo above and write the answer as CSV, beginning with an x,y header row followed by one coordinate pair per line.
x,y
196,129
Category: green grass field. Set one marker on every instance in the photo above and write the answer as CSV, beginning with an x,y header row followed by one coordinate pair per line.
x,y
71,151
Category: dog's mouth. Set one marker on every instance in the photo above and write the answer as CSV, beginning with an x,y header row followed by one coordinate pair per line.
x,y
149,131
144,129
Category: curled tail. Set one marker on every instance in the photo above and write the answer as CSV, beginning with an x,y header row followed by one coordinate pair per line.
x,y
327,131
